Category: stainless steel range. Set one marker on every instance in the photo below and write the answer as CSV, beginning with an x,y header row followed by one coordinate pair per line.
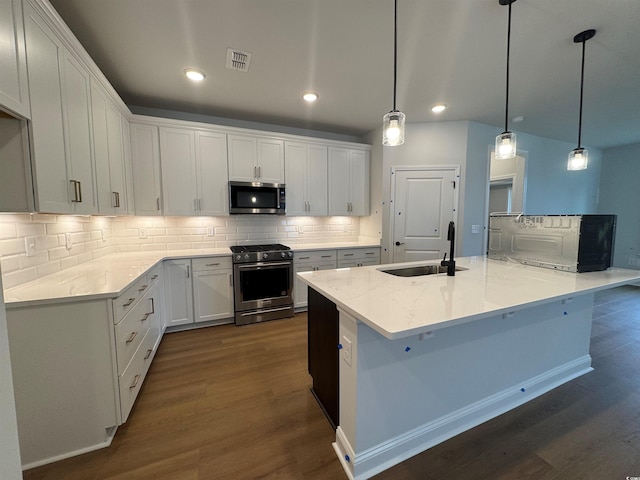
x,y
263,282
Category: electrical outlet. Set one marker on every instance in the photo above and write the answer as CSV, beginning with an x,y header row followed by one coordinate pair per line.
x,y
142,232
67,241
475,228
210,231
346,350
30,246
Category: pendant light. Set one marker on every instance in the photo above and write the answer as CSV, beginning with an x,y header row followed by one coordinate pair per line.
x,y
506,141
579,157
393,122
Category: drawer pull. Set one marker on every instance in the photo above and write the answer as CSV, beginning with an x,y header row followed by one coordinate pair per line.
x,y
370,253
129,302
154,277
153,305
325,256
143,288
303,258
212,264
131,337
146,316
148,353
348,254
135,381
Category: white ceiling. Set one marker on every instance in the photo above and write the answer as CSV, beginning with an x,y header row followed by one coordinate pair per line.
x,y
451,51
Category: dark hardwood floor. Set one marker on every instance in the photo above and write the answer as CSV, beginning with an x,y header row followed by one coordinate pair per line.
x,y
234,403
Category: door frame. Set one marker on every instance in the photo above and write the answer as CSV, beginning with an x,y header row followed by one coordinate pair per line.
x,y
420,168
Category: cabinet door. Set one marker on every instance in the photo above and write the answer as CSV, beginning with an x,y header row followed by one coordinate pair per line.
x,y
213,177
270,160
242,158
145,165
49,164
13,68
339,182
359,177
115,130
213,295
178,298
296,178
317,178
178,163
76,96
101,150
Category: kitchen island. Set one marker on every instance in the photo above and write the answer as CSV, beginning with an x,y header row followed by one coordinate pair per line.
x,y
425,358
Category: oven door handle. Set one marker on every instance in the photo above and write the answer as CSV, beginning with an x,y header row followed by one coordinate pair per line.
x,y
264,265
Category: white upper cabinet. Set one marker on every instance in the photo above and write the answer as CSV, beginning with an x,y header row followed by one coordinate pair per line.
x,y
108,150
14,94
256,159
348,181
194,172
145,164
61,154
306,179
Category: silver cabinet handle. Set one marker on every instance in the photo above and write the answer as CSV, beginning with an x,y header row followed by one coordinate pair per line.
x,y
145,317
148,353
304,258
370,253
211,264
255,172
154,277
231,280
325,256
131,337
118,199
158,203
348,255
77,191
259,172
114,200
129,302
200,204
188,271
153,305
143,288
135,381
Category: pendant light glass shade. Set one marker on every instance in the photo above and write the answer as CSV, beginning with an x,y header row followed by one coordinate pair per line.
x,y
393,129
506,141
505,146
393,122
579,156
578,159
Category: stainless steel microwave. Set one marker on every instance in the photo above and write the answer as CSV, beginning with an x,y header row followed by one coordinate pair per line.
x,y
256,198
573,243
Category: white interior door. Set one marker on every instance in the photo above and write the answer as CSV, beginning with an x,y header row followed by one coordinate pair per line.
x,y
424,202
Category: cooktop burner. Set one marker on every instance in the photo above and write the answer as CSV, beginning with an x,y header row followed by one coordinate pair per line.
x,y
260,253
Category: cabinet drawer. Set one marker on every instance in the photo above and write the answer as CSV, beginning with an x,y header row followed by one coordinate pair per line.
x,y
128,299
131,379
314,256
132,329
210,263
359,253
154,274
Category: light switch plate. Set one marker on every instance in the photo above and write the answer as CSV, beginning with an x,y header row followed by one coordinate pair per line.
x,y
30,246
346,350
67,241
142,232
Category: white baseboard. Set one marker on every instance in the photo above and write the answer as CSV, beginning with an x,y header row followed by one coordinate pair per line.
x,y
365,464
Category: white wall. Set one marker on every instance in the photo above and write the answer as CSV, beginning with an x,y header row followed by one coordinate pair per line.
x,y
10,468
619,194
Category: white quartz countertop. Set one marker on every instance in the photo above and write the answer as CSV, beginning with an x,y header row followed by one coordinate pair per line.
x,y
106,277
109,276
399,307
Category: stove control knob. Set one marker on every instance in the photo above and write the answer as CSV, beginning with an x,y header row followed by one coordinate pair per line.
x,y
282,254
246,256
290,254
265,255
238,257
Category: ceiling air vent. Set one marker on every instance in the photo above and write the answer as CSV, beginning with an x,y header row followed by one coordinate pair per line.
x,y
238,60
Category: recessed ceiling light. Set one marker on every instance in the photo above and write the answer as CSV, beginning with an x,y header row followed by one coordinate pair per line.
x,y
195,75
438,108
310,97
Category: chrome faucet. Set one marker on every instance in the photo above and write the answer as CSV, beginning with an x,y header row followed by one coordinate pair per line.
x,y
451,263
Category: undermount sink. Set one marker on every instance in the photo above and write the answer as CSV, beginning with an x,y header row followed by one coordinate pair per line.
x,y
419,270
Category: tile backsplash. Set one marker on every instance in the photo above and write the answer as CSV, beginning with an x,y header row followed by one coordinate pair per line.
x,y
36,245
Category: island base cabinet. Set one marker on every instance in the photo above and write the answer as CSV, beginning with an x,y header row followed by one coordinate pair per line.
x,y
431,387
64,374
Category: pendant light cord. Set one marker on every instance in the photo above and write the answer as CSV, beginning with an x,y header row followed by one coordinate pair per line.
x,y
584,42
506,106
395,52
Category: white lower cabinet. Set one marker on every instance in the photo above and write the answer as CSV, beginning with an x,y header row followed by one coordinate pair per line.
x,y
213,290
178,299
358,257
309,261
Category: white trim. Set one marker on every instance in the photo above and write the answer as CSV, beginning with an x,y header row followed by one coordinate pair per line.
x,y
391,452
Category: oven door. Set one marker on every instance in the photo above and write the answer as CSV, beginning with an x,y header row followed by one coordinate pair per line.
x,y
262,285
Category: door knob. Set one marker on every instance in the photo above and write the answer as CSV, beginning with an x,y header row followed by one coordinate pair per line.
x,y
399,243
